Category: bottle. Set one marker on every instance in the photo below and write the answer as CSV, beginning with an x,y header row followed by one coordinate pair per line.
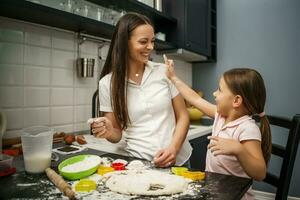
x,y
158,5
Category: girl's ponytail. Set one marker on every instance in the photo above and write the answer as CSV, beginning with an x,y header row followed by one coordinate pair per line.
x,y
266,138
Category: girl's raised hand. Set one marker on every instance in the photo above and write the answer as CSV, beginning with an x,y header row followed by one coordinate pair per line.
x,y
170,67
218,146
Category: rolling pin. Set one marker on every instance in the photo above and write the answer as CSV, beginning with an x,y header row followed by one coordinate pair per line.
x,y
60,183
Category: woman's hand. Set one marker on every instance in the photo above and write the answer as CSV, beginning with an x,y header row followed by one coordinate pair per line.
x,y
165,157
223,146
102,127
170,67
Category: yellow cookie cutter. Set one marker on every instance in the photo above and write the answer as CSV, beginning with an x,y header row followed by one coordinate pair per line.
x,y
194,175
103,170
178,170
85,185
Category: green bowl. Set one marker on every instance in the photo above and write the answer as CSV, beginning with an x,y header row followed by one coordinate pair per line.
x,y
79,174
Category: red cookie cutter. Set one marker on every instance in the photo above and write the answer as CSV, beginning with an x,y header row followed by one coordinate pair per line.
x,y
118,166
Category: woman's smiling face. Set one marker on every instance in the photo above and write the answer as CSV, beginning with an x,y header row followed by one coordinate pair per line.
x,y
141,43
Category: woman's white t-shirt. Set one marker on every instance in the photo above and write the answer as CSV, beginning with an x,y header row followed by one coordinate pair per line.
x,y
151,113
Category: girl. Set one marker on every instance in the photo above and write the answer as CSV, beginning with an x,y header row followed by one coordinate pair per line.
x,y
138,100
237,146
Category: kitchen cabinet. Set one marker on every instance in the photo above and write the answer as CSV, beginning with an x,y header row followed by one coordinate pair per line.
x,y
45,15
196,25
198,157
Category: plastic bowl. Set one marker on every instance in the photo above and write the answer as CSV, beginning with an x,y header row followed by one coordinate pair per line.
x,y
5,162
194,113
79,174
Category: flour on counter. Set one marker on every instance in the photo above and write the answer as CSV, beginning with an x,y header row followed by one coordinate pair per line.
x,y
87,163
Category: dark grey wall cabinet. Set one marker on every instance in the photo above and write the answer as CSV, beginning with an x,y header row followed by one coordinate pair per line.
x,y
45,15
196,25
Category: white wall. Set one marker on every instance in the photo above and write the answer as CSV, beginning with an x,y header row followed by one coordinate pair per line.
x,y
38,80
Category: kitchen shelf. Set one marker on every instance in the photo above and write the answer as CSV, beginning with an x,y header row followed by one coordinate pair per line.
x,y
156,16
40,14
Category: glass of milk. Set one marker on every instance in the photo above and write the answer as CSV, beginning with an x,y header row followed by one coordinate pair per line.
x,y
37,148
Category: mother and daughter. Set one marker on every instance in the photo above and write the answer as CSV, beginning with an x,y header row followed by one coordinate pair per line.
x,y
140,102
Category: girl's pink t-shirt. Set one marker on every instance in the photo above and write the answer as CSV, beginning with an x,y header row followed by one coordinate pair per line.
x,y
243,128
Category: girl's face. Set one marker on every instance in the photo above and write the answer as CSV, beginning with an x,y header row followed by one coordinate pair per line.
x,y
141,43
224,98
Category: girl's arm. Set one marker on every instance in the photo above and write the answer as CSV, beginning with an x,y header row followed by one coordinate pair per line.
x,y
190,95
107,127
252,160
248,153
167,157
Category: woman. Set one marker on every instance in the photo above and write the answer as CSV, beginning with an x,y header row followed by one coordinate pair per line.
x,y
138,100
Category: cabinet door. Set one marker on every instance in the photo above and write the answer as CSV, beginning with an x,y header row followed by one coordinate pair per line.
x,y
198,157
197,31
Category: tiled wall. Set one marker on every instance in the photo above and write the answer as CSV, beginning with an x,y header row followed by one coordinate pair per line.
x,y
38,79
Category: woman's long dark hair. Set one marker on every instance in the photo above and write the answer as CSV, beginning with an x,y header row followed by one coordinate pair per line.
x,y
117,63
250,85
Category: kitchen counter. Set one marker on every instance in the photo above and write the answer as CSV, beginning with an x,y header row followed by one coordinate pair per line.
x,y
195,131
29,186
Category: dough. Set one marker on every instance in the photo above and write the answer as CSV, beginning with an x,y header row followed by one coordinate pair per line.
x,y
136,165
145,182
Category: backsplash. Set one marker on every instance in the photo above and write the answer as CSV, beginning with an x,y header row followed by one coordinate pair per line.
x,y
38,79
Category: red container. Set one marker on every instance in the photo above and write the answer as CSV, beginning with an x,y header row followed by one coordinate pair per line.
x,y
118,166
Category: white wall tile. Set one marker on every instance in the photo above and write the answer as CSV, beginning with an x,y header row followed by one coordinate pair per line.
x,y
89,48
61,115
83,113
12,133
11,31
81,127
65,128
11,53
104,51
62,96
37,36
86,82
11,74
36,96
63,40
38,76
84,96
63,59
37,56
36,116
62,77
11,97
14,118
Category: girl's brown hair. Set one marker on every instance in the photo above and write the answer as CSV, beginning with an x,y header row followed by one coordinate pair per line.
x,y
249,84
117,64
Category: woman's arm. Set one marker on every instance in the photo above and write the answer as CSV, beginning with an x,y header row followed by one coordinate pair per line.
x,y
107,127
182,122
167,157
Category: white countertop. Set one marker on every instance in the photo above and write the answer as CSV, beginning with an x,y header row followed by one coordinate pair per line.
x,y
195,131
